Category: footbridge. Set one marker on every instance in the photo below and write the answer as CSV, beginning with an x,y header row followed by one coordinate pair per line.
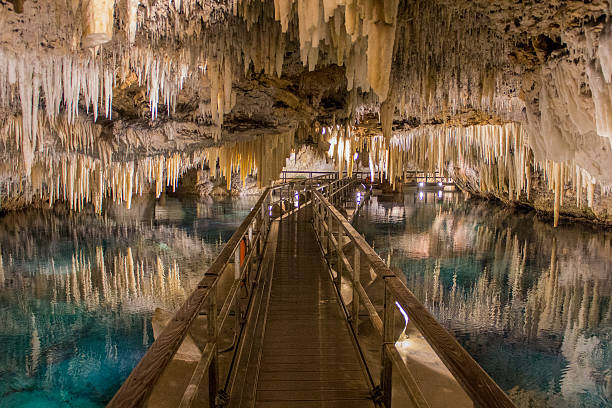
x,y
299,311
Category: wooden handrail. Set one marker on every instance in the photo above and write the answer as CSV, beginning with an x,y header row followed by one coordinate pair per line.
x,y
136,389
139,384
479,386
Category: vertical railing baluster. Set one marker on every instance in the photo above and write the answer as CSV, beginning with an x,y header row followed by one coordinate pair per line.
x,y
386,376
213,369
339,254
261,233
247,266
329,231
356,281
317,207
321,222
237,262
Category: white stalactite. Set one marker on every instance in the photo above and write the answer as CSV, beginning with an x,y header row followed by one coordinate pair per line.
x,y
97,22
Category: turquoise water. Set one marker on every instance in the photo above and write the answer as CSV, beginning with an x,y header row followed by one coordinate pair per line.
x,y
77,292
529,302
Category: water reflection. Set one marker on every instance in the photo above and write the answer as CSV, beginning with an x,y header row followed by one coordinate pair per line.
x,y
78,291
529,302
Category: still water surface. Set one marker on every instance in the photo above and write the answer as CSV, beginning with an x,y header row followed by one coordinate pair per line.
x,y
77,292
530,303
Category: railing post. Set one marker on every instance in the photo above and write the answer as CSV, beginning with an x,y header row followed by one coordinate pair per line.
x,y
258,243
213,369
339,254
321,221
237,262
386,376
317,214
265,214
249,249
329,231
264,210
356,281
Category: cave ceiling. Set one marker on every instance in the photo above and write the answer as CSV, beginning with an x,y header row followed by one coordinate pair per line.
x,y
141,77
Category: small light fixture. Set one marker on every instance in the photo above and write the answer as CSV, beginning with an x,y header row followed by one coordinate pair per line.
x,y
440,183
421,184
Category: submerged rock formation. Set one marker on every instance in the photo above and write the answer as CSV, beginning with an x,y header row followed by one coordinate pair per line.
x,y
107,99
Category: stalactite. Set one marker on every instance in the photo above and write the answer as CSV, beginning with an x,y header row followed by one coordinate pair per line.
x,y
499,153
79,178
132,19
98,22
558,186
2,277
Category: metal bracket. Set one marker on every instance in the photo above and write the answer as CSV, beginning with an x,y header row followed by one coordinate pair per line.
x,y
221,399
376,394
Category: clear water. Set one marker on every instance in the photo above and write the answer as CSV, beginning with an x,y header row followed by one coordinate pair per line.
x,y
77,292
530,303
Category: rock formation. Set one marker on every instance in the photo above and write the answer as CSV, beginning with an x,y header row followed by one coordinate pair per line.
x,y
110,98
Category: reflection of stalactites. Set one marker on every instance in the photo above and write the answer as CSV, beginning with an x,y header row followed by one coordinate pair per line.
x,y
145,332
2,278
584,307
594,309
130,272
551,292
139,274
175,288
516,271
453,293
76,294
102,270
160,277
607,318
34,347
437,290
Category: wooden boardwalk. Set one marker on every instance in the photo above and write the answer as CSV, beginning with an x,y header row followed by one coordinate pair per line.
x,y
270,297
307,358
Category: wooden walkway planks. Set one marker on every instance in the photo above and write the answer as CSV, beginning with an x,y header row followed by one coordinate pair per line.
x,y
308,358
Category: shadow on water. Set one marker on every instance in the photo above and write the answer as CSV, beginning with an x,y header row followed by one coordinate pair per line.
x,y
78,291
531,303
